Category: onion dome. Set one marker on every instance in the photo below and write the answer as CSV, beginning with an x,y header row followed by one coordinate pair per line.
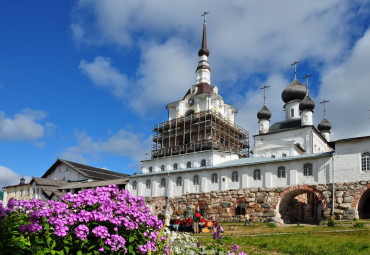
x,y
295,90
324,125
264,113
307,104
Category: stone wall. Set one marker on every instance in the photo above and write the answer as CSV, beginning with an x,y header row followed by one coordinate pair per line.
x,y
263,204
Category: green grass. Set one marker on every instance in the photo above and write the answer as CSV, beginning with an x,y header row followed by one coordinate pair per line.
x,y
307,239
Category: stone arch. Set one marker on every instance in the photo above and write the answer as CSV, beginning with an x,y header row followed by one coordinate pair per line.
x,y
363,206
201,207
234,209
300,203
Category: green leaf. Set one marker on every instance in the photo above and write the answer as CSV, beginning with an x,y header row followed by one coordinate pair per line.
x,y
132,238
79,253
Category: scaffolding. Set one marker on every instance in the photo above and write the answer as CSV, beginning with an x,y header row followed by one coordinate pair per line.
x,y
207,130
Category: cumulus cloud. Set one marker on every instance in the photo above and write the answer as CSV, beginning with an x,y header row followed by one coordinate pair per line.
x,y
346,86
122,143
103,74
9,177
24,126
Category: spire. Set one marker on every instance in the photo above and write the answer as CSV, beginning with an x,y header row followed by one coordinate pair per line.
x,y
295,63
203,50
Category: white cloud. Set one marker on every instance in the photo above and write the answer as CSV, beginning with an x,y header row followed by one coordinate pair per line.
x,y
122,143
346,86
103,74
9,177
25,126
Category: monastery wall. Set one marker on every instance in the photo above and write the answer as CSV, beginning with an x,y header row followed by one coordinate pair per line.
x,y
271,204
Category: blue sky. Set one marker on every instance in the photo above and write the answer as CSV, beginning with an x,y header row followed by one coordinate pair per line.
x,y
86,80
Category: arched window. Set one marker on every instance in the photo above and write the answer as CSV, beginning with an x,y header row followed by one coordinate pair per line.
x,y
307,169
203,162
234,176
134,185
196,180
188,165
240,209
163,182
257,174
281,172
284,155
272,156
175,166
150,169
178,181
365,161
292,113
162,167
214,178
188,113
148,184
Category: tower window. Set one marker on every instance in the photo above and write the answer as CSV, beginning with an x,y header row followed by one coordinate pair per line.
x,y
162,167
307,169
148,184
150,169
175,166
284,155
188,165
365,161
178,181
203,162
163,182
134,185
234,176
257,174
214,178
281,172
196,180
292,113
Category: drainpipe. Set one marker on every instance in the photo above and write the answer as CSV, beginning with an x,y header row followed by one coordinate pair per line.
x,y
333,191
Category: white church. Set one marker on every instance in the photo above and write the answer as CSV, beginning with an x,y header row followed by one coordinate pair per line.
x,y
200,149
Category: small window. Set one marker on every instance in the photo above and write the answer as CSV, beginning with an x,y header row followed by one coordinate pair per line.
x,y
284,155
214,178
134,185
272,156
150,169
292,113
257,174
281,172
175,166
234,176
196,180
240,209
188,165
203,162
162,167
148,184
307,169
178,181
365,161
163,182
33,191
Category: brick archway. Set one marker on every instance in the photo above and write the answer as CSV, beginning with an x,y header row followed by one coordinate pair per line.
x,y
300,203
235,204
361,202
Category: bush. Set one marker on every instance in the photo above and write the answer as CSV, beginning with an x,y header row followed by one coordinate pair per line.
x,y
331,222
359,225
101,221
271,225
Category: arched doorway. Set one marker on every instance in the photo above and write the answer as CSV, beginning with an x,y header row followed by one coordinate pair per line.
x,y
364,205
300,205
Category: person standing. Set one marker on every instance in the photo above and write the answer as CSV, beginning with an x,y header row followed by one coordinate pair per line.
x,y
167,219
247,220
196,219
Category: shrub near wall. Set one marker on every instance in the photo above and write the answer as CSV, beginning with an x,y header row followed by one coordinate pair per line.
x,y
102,221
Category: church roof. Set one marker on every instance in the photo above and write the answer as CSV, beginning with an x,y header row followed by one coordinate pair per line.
x,y
87,171
284,126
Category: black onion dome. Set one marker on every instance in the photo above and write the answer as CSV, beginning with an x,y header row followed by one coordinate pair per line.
x,y
264,113
324,125
307,104
295,90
